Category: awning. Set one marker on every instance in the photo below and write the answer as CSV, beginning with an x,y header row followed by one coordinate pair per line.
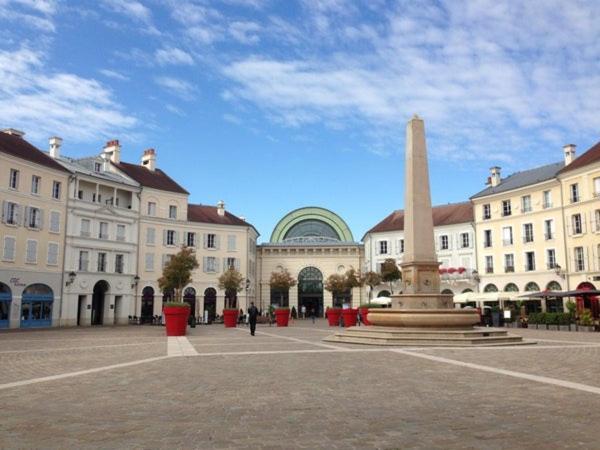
x,y
561,294
381,301
467,297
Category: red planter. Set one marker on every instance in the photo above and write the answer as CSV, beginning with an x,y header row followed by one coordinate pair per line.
x,y
350,316
364,313
230,317
333,316
282,317
176,318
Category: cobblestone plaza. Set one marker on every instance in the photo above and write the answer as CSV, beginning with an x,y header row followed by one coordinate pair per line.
x,y
220,388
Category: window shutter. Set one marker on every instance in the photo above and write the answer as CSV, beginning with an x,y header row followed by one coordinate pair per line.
x,y
52,254
205,240
236,264
377,247
26,216
185,238
205,261
164,237
175,237
40,219
225,265
4,211
217,241
9,248
31,251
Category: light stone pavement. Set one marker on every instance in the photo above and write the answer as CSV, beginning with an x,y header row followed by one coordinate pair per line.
x,y
285,388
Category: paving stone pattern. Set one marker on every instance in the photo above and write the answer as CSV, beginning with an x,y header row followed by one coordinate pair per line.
x,y
279,398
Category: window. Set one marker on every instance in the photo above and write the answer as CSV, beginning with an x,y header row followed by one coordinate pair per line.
x,y
529,261
10,213
9,248
33,218
149,262
548,229
103,231
56,190
172,212
35,184
597,187
150,236
210,264
98,199
464,240
574,188
101,262
166,260
489,264
579,259
576,223
120,232
507,236
487,238
97,167
191,239
551,258
526,203
211,241
230,263
31,254
84,259
54,222
506,208
528,232
383,247
597,220
119,260
85,227
80,195
547,199
231,243
487,212
170,237
13,180
444,242
401,245
151,209
52,254
509,263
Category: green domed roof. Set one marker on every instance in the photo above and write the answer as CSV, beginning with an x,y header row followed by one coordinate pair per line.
x,y
311,223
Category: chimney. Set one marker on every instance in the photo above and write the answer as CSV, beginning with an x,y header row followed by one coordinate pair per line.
x,y
495,176
569,150
149,159
113,150
243,218
55,143
14,132
221,208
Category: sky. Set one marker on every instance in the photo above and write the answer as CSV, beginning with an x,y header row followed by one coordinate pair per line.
x,y
275,105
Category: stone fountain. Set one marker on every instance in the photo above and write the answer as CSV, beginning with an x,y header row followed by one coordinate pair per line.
x,y
421,315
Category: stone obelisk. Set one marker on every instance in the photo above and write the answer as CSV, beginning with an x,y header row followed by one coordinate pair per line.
x,y
420,267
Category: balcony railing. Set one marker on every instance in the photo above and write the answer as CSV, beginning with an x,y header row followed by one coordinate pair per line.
x,y
529,268
85,234
548,236
103,236
552,266
120,238
527,239
506,242
547,205
574,198
487,244
508,269
489,270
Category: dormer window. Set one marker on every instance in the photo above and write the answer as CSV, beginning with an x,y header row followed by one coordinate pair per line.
x,y
172,212
97,167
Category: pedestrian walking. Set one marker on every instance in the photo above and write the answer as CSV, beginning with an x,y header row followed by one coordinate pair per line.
x,y
312,314
252,315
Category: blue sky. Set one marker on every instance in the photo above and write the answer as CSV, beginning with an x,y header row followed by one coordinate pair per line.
x,y
273,105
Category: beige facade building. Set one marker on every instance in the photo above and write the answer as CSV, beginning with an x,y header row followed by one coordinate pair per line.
x,y
311,243
33,195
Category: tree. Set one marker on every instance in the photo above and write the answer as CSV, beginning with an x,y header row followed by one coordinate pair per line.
x,y
178,273
353,279
390,272
336,284
282,281
372,279
232,282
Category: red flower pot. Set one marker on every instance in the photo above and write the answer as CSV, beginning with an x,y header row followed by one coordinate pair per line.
x,y
176,318
282,317
350,315
230,317
333,316
364,312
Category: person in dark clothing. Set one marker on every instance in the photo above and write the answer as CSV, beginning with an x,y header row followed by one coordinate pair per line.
x,y
252,315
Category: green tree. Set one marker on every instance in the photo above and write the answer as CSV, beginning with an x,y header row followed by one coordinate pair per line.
x,y
353,279
390,272
336,284
372,279
282,281
178,273
231,282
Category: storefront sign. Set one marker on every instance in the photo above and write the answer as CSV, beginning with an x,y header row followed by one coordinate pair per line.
x,y
17,282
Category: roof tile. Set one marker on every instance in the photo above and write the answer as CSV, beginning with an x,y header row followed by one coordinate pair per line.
x,y
590,156
156,179
18,147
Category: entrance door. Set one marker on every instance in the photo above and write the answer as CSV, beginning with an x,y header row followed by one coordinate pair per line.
x,y
118,307
81,302
147,305
5,299
189,296
100,290
210,303
310,291
36,306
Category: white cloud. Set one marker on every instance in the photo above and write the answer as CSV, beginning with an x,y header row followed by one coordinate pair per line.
x,y
114,74
36,14
245,32
176,86
172,55
130,8
43,103
175,110
484,75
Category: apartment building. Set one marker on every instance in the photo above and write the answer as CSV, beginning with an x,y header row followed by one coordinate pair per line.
x,y
33,194
454,236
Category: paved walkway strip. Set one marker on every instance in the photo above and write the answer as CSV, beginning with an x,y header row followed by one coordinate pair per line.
x,y
180,346
76,348
510,373
78,373
302,341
